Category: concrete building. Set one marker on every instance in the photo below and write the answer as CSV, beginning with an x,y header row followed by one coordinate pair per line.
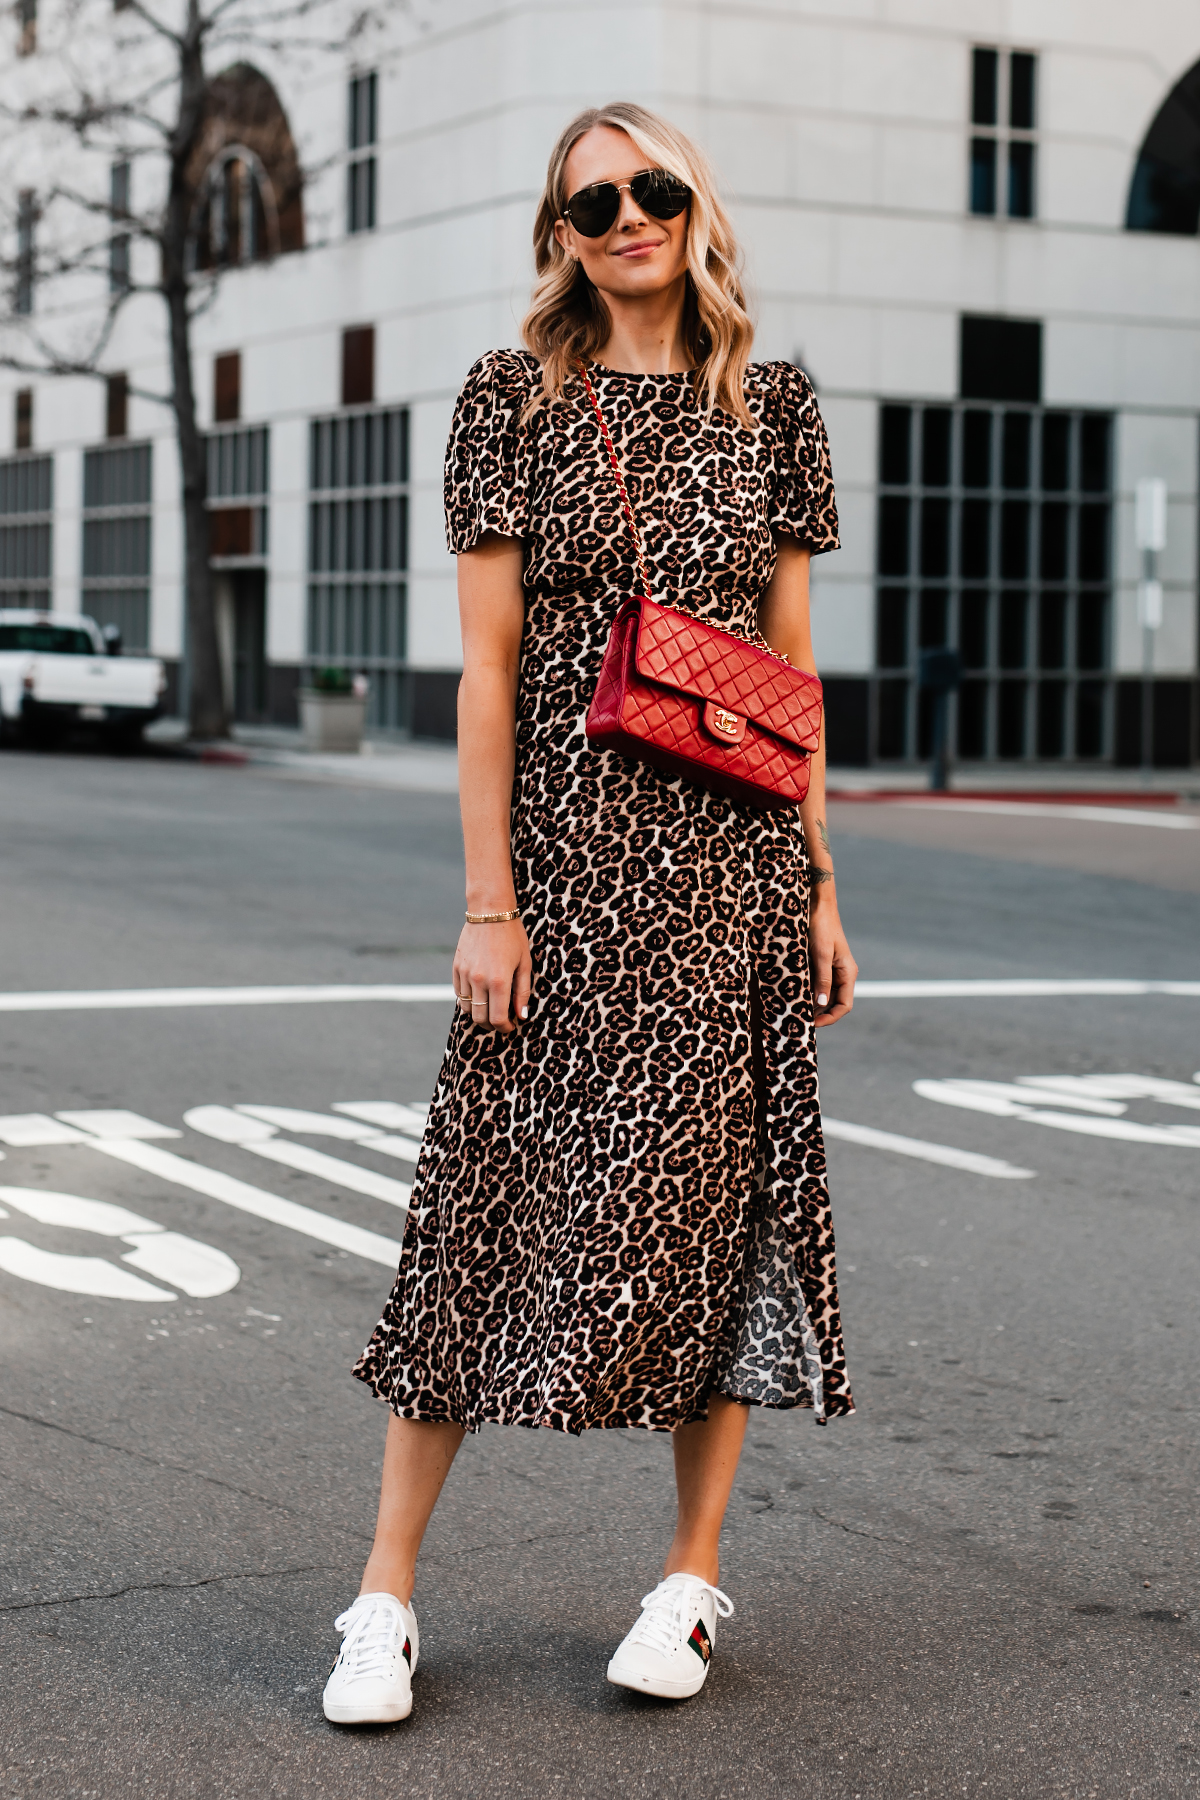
x,y
974,224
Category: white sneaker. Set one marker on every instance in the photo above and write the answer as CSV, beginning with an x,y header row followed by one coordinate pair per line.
x,y
371,1681
669,1649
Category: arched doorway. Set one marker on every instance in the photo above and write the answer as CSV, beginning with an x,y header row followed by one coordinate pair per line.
x,y
1164,194
245,175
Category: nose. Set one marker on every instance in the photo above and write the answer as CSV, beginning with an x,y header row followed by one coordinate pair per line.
x,y
631,214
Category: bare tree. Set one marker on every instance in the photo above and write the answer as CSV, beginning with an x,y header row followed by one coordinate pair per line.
x,y
216,181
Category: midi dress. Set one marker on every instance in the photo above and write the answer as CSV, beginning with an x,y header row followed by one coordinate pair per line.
x,y
622,1208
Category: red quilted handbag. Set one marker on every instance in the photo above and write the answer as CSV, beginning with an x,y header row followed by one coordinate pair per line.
x,y
697,701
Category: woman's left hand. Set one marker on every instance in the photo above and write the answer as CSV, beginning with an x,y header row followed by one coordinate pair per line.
x,y
834,970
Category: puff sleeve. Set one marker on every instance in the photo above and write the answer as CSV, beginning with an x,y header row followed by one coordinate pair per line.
x,y
488,454
802,500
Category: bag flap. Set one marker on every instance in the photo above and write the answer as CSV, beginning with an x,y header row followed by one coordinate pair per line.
x,y
696,658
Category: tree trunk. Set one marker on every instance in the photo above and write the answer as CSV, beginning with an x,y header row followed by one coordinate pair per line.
x,y
208,708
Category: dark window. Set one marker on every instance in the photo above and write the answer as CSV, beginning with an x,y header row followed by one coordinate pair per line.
x,y
1094,436
1052,632
894,435
47,640
972,719
1014,617
1056,445
892,629
119,240
1022,94
931,625
116,406
358,553
1015,451
1014,540
995,539
935,537
358,366
239,470
1164,194
26,27
1000,359
227,387
977,450
115,588
361,136
1010,719
985,72
1003,153
974,541
1020,179
1052,563
983,176
1051,718
26,252
935,446
23,419
26,530
973,630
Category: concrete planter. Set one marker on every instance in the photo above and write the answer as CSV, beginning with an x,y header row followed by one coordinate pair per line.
x,y
332,721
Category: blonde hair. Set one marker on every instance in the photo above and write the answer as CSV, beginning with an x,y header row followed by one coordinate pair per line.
x,y
568,320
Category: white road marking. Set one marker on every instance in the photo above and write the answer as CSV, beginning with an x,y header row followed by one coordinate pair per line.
x,y
75,1274
945,1154
388,1113
198,1269
1005,1100
311,1124
121,999
26,1130
1160,816
118,999
1119,1087
261,1204
118,1124
334,1169
1008,1100
1018,988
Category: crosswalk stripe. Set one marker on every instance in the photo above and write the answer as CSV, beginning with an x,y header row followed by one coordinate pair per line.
x,y
335,1169
945,1154
180,1170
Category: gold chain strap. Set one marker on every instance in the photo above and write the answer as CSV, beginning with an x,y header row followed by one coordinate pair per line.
x,y
756,640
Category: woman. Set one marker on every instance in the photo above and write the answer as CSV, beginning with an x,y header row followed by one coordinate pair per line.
x,y
620,1217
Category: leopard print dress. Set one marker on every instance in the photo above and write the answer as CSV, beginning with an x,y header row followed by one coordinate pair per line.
x,y
622,1208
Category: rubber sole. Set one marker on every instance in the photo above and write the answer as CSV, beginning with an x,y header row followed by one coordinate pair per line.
x,y
664,1690
356,1715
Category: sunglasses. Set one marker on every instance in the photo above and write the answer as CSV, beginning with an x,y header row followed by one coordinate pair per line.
x,y
593,210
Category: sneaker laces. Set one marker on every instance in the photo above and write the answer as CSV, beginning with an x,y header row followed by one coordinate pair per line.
x,y
667,1613
371,1628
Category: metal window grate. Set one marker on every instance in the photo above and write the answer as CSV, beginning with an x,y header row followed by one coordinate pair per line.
x,y
115,587
26,530
995,537
357,550
239,462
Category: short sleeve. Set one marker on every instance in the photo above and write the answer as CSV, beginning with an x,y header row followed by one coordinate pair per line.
x,y
488,455
802,500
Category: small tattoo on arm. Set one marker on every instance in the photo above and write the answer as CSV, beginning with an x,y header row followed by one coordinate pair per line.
x,y
823,835
817,876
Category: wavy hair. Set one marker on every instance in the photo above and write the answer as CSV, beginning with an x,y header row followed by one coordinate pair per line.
x,y
568,320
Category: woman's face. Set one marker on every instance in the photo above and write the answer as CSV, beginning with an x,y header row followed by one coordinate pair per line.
x,y
639,256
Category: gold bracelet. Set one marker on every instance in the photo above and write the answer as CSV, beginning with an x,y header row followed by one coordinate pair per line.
x,y
492,918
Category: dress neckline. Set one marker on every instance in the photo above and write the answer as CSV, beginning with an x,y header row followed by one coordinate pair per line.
x,y
602,369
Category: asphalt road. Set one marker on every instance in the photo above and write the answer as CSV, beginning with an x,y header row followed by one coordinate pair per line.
x,y
985,1583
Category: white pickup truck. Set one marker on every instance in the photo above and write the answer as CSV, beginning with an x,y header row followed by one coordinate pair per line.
x,y
59,671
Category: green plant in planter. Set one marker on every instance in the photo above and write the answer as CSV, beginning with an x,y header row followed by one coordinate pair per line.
x,y
332,681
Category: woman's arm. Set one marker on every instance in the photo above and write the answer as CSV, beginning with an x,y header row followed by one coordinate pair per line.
x,y
784,622
492,961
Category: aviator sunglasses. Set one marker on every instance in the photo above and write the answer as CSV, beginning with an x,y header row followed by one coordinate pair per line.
x,y
593,210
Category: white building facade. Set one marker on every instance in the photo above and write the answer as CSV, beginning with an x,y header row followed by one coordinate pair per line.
x,y
974,224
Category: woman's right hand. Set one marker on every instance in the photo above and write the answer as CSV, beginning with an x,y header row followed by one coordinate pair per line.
x,y
493,973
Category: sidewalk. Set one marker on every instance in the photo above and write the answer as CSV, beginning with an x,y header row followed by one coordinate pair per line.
x,y
432,768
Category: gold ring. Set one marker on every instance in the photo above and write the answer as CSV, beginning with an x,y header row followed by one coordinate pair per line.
x,y
476,1003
